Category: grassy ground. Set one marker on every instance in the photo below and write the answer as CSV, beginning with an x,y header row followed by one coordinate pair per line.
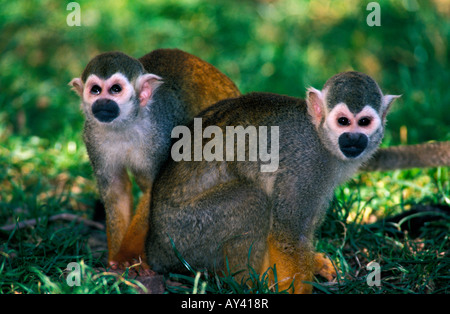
x,y
412,251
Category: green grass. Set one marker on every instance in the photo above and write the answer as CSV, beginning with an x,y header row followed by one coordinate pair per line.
x,y
34,260
409,263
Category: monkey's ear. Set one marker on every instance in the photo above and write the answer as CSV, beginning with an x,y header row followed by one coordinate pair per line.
x,y
146,85
386,104
316,105
77,86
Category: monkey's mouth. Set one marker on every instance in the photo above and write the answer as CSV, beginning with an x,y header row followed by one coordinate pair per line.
x,y
105,110
352,144
352,151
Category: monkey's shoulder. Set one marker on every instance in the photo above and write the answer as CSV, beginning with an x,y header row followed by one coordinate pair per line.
x,y
164,61
254,108
177,65
196,82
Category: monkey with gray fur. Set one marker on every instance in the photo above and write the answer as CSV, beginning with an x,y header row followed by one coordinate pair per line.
x,y
217,210
131,107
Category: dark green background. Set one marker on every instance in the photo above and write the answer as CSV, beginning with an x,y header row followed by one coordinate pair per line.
x,y
277,46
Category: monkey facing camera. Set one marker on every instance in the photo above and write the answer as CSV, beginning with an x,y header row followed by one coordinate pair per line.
x,y
129,116
351,125
228,214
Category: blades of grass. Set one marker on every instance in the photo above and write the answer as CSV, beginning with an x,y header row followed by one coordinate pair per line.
x,y
441,173
196,280
180,258
426,213
45,285
11,235
318,286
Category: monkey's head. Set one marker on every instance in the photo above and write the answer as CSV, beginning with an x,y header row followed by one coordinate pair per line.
x,y
114,88
349,114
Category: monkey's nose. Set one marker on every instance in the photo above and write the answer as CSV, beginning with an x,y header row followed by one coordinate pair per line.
x,y
352,144
105,110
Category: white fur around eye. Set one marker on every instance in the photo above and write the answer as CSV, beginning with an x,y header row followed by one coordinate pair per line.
x,y
127,87
375,121
91,81
341,111
105,85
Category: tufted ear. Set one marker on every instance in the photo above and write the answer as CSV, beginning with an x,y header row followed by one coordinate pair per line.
x,y
316,105
386,104
77,86
146,84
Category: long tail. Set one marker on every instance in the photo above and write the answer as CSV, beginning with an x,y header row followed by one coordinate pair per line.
x,y
436,154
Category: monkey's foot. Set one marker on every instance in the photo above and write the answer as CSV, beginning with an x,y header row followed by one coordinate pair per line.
x,y
135,267
324,267
294,265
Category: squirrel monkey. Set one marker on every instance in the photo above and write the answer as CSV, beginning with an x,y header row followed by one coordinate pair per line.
x,y
218,212
131,106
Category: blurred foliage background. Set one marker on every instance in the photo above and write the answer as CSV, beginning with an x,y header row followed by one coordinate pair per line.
x,y
279,46
263,45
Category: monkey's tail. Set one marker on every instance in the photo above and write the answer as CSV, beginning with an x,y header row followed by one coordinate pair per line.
x,y
436,154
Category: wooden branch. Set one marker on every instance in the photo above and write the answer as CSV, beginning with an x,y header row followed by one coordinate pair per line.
x,y
65,216
434,154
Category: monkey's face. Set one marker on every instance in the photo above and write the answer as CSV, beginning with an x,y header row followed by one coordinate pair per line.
x,y
353,135
349,114
115,100
108,99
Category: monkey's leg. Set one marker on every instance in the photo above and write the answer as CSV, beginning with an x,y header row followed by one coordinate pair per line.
x,y
132,248
118,203
292,263
213,230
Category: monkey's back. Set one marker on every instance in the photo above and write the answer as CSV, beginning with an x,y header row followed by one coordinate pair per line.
x,y
201,204
297,140
188,178
197,83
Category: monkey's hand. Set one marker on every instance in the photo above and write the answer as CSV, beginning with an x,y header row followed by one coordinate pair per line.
x,y
324,267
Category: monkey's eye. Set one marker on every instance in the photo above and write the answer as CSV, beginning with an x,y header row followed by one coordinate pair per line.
x,y
115,89
343,121
96,90
364,122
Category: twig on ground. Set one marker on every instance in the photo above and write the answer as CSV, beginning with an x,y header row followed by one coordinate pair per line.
x,y
65,216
